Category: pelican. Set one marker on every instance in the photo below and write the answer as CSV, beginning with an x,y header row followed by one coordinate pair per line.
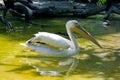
x,y
54,45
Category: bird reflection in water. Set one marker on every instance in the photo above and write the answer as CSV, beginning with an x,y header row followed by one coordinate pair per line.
x,y
52,66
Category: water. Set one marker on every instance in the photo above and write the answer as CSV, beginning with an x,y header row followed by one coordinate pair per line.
x,y
19,63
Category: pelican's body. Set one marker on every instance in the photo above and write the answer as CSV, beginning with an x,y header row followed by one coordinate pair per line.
x,y
55,45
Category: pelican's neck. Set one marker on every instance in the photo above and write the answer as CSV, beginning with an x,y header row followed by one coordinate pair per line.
x,y
72,38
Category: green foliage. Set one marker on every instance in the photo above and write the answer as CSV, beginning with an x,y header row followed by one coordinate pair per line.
x,y
100,2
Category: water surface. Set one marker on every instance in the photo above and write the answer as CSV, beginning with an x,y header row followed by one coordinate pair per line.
x,y
19,63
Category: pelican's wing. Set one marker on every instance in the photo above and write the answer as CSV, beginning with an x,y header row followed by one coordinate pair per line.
x,y
52,40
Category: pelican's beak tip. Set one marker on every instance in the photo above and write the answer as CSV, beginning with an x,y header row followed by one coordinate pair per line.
x,y
101,47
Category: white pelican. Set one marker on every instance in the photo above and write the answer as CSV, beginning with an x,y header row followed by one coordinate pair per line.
x,y
58,46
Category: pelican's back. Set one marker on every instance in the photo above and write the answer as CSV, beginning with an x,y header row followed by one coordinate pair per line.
x,y
52,40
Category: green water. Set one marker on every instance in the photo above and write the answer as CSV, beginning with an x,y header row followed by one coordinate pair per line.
x,y
19,63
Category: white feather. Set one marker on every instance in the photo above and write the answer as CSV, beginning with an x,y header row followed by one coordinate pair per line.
x,y
52,40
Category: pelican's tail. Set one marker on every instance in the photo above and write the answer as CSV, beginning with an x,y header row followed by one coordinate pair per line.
x,y
23,44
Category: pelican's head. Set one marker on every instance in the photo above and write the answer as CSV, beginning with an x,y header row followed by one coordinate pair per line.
x,y
75,26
